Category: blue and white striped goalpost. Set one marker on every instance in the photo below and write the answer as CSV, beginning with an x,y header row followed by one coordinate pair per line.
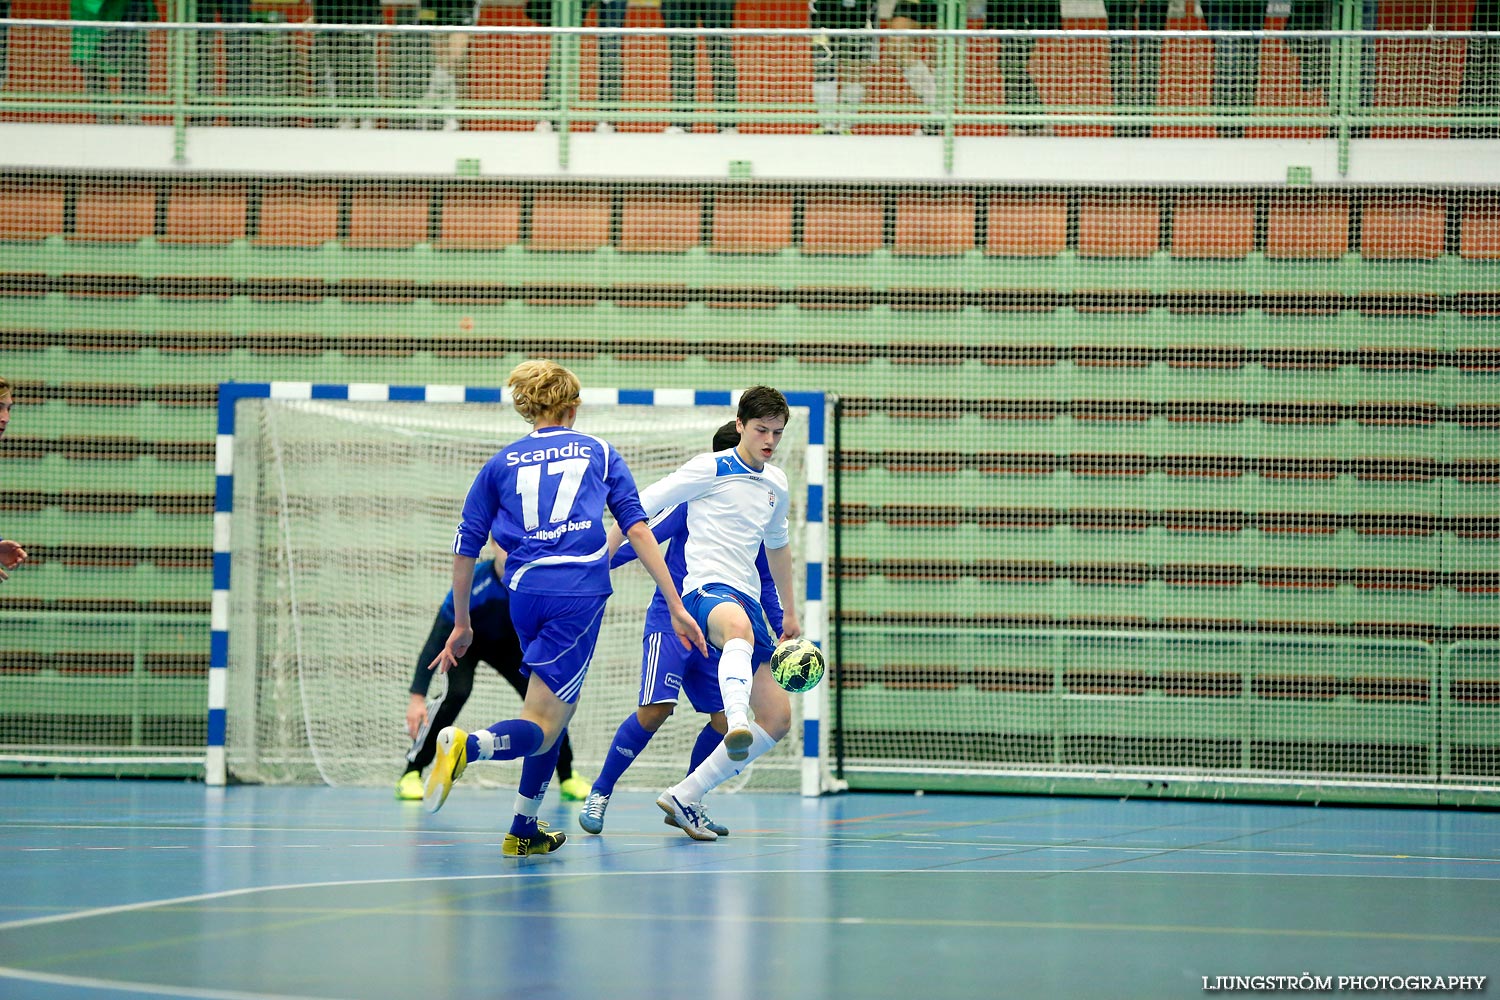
x,y
815,615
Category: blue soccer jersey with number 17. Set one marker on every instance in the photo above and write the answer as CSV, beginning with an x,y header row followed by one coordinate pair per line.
x,y
543,499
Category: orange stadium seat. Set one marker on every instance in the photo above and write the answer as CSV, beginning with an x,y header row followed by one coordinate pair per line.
x,y
1403,227
114,212
205,213
1307,226
295,214
934,223
570,220
837,222
752,221
480,218
1213,226
1479,229
1119,225
1027,225
660,220
31,210
388,216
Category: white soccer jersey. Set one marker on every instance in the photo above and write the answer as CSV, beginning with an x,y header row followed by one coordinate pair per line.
x,y
732,509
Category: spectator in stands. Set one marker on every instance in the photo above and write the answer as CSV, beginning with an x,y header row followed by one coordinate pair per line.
x,y
448,52
684,49
1015,53
4,13
236,53
910,15
347,58
1481,81
1236,60
11,553
1313,54
1135,63
496,643
111,56
611,53
840,63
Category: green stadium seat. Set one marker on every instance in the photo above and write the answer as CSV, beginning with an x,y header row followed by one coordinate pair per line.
x,y
31,210
114,211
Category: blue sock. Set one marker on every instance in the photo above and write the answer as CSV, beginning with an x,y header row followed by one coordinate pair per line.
x,y
536,773
707,741
504,741
630,739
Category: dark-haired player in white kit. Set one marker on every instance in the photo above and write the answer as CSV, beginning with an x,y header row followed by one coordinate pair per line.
x,y
840,63
668,670
736,502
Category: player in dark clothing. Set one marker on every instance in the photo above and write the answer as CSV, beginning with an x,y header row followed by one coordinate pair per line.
x,y
495,643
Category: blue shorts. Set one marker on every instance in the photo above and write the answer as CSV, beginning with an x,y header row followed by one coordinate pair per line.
x,y
557,635
667,668
701,601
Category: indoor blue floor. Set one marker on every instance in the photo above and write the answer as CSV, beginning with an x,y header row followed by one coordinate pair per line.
x,y
135,888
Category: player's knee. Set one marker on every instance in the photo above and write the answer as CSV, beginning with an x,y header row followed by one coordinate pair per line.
x,y
774,715
653,717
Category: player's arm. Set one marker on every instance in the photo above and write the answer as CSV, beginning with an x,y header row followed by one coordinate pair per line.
x,y
11,553
780,562
469,541
11,556
770,601
462,636
649,554
664,528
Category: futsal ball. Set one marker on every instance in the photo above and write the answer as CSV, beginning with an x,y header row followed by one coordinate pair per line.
x,y
797,665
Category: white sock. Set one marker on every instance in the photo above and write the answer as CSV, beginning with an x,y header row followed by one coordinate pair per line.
x,y
735,672
854,94
921,81
527,807
717,768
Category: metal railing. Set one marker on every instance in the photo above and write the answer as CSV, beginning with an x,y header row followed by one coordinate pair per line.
x,y
186,73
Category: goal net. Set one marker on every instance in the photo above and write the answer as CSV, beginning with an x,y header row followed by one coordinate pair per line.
x,y
341,539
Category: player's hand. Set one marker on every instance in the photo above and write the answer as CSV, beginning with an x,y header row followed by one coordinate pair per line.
x,y
791,626
459,641
416,715
11,555
688,632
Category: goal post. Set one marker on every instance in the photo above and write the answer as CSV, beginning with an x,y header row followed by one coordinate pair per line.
x,y
334,513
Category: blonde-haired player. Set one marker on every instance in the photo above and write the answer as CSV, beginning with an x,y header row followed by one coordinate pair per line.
x,y
542,498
